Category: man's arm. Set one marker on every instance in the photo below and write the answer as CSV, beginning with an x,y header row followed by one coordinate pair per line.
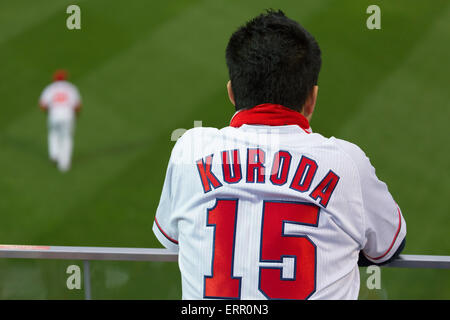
x,y
384,225
78,108
364,262
78,104
165,226
43,106
383,231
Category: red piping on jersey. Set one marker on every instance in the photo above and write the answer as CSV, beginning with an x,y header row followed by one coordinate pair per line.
x,y
270,115
395,237
165,234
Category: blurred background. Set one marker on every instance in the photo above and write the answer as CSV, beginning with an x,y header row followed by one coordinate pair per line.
x,y
145,68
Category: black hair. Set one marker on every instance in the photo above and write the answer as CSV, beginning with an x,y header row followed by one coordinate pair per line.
x,y
272,59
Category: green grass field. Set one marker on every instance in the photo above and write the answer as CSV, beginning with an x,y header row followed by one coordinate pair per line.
x,y
145,68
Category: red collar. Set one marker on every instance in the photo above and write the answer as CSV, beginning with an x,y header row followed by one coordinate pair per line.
x,y
270,115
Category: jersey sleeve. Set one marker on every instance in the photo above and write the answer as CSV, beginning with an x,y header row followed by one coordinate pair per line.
x,y
384,227
45,98
165,226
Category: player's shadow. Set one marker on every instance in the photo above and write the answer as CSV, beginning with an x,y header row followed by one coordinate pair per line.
x,y
35,148
87,156
23,145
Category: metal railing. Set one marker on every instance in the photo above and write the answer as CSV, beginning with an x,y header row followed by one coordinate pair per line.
x,y
86,254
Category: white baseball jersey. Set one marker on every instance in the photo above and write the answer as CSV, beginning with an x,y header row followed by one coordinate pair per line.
x,y
61,98
273,212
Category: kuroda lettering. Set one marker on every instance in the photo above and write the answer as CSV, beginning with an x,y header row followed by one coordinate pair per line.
x,y
256,172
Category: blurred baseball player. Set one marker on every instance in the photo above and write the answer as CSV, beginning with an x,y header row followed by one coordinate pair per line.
x,y
62,101
265,208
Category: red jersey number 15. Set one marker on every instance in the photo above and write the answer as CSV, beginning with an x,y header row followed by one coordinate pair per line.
x,y
275,245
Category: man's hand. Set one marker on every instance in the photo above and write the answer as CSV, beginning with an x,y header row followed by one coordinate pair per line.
x,y
43,106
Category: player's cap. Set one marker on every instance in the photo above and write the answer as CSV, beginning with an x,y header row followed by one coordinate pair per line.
x,y
60,75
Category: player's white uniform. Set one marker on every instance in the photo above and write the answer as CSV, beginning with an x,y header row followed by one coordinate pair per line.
x,y
250,229
60,98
